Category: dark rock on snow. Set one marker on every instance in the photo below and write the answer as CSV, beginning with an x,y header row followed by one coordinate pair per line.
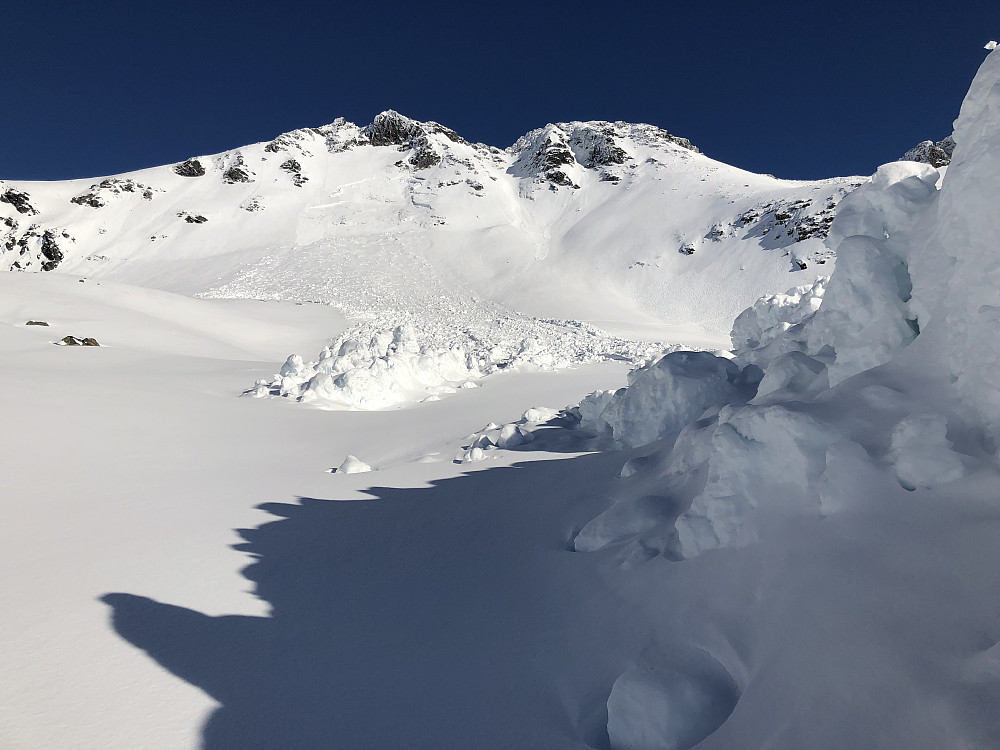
x,y
190,168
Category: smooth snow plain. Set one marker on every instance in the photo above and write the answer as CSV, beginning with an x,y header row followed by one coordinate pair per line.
x,y
791,544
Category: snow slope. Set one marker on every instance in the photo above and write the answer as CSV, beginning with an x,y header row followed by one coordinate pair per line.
x,y
620,225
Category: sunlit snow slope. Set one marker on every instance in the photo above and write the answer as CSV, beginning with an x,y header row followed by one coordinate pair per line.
x,y
621,225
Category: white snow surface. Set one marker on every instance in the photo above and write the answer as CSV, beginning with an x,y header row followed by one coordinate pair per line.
x,y
583,241
790,545
406,217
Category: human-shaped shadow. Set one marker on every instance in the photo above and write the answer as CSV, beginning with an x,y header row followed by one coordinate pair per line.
x,y
453,616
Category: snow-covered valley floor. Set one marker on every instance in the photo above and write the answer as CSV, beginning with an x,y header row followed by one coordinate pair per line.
x,y
133,463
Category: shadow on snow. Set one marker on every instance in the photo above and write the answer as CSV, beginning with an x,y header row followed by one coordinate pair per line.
x,y
452,616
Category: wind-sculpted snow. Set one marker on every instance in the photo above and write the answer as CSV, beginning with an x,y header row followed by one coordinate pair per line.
x,y
665,396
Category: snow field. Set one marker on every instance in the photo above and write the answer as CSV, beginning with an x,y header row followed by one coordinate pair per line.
x,y
127,468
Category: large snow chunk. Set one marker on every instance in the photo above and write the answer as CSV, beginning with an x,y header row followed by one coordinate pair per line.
x,y
663,397
770,319
887,208
956,277
922,454
664,709
624,520
353,465
862,310
793,372
864,316
761,460
512,435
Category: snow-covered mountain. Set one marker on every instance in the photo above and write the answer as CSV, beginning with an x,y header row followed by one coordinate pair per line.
x,y
611,223
789,544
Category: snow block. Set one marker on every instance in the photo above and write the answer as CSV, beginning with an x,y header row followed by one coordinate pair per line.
x,y
663,709
922,455
353,465
662,398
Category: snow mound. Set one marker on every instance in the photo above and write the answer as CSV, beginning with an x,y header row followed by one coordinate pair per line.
x,y
666,395
661,709
353,465
922,454
370,367
771,317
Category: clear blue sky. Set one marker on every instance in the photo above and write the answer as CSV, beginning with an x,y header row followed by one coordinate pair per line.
x,y
799,89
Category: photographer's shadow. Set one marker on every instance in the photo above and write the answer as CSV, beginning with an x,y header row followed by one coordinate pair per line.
x,y
439,617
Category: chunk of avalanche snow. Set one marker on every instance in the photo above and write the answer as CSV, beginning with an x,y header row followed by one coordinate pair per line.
x,y
512,435
539,414
953,265
864,315
371,367
795,372
759,460
664,709
663,397
625,520
353,465
922,455
293,367
761,332
990,46
474,454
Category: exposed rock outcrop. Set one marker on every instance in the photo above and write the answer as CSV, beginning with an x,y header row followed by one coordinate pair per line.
x,y
393,129
20,200
928,152
97,195
190,168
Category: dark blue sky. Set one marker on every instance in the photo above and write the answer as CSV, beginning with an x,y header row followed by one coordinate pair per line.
x,y
799,89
